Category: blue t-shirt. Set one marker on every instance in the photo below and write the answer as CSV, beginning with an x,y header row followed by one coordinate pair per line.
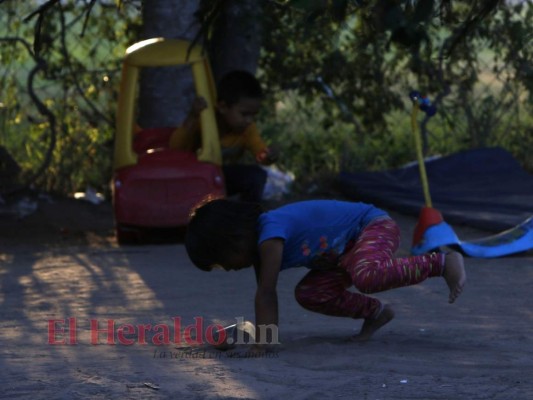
x,y
315,228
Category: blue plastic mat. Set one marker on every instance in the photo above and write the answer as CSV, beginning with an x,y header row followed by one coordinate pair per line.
x,y
483,188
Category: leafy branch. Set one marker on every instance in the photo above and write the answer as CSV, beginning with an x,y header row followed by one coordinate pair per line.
x,y
40,65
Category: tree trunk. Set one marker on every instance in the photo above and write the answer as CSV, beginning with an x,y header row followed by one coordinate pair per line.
x,y
236,37
166,93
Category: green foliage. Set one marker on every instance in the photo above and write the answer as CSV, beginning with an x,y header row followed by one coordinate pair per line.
x,y
473,58
312,142
76,61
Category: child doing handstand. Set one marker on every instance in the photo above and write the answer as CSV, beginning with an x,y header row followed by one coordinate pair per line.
x,y
343,244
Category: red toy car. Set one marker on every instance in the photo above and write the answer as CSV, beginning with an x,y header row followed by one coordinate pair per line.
x,y
154,186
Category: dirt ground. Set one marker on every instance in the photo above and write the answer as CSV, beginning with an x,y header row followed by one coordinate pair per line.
x,y
61,271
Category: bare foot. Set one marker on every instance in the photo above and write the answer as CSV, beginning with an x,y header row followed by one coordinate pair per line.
x,y
454,274
370,326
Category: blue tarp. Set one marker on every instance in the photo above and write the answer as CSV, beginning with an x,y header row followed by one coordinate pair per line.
x,y
483,188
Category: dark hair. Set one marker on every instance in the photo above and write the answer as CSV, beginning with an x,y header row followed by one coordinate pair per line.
x,y
237,84
217,228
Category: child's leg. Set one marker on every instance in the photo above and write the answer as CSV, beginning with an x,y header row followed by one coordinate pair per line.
x,y
371,265
324,292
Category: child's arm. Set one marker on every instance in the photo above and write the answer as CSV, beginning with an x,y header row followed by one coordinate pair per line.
x,y
254,143
266,298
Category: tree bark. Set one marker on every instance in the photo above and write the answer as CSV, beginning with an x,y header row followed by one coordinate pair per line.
x,y
236,39
166,93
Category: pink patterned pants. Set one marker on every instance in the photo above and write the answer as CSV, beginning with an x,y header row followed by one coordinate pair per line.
x,y
368,264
